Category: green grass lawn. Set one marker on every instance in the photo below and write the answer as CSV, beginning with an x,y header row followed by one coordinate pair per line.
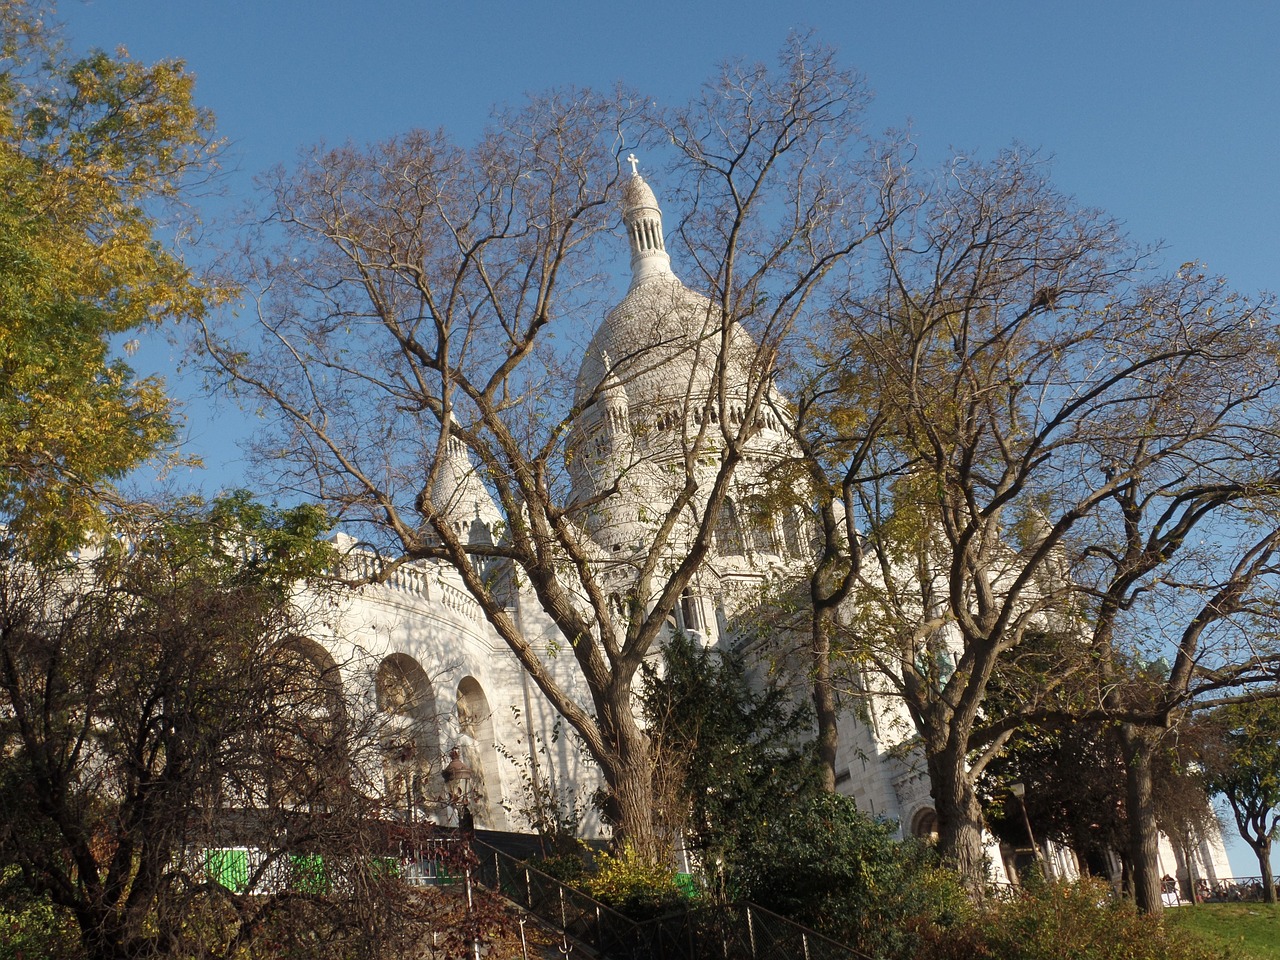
x,y
1250,930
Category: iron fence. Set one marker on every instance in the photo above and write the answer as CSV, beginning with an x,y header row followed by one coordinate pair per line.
x,y
739,931
721,932
1235,890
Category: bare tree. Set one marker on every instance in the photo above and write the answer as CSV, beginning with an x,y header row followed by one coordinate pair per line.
x,y
158,707
411,338
1019,431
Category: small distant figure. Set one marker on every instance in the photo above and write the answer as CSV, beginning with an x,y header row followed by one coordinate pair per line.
x,y
1168,884
1202,890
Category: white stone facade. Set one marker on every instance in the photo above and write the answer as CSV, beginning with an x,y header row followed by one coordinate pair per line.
x,y
660,376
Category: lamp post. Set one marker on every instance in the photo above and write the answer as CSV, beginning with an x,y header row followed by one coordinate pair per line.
x,y
457,782
1020,791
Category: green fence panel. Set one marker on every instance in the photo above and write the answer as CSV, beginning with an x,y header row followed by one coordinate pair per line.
x,y
230,868
307,874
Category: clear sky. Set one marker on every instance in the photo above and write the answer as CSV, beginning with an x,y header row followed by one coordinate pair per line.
x,y
1166,113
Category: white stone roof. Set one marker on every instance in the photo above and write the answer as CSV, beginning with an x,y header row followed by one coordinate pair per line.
x,y
662,342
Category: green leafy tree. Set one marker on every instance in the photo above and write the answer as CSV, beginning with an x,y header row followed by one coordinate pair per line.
x,y
729,757
1074,779
1244,767
95,155
744,785
1075,776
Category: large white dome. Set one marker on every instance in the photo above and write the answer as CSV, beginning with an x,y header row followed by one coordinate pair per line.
x,y
661,373
662,345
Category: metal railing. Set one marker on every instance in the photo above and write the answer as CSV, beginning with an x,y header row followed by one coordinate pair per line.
x,y
1173,892
593,924
1235,890
721,932
739,931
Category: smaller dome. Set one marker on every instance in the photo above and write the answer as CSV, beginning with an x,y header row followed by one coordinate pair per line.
x,y
460,495
638,197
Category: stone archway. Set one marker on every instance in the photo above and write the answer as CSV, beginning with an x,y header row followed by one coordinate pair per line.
x,y
410,735
478,746
924,824
308,731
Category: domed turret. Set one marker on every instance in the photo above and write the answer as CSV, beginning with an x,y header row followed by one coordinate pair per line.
x,y
460,496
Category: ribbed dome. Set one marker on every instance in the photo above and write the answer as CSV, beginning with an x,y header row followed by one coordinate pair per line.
x,y
638,197
653,340
648,384
661,343
655,357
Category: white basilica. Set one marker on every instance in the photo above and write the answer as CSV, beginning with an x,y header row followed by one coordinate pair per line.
x,y
441,677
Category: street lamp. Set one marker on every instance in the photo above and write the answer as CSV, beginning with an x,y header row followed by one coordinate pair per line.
x,y
457,782
1020,791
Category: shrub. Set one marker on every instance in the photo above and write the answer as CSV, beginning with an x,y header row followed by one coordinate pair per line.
x,y
634,885
31,928
1058,921
567,867
830,867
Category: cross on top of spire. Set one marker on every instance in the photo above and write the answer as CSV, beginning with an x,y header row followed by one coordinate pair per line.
x,y
633,160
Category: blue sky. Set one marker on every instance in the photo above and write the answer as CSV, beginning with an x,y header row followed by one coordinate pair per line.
x,y
1166,114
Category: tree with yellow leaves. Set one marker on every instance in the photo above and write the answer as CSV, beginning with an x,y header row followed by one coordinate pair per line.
x,y
95,156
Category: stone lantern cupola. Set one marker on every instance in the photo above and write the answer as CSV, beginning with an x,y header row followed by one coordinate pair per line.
x,y
643,219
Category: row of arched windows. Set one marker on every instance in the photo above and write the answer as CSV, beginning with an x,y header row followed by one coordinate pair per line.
x,y
413,755
780,535
673,418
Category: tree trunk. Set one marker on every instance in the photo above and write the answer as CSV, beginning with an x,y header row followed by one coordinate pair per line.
x,y
1144,835
824,702
1263,851
1188,845
959,818
629,775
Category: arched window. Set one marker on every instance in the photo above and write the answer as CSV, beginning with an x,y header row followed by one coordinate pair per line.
x,y
403,688
690,613
618,610
924,825
478,747
791,533
474,716
729,531
306,735
762,536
